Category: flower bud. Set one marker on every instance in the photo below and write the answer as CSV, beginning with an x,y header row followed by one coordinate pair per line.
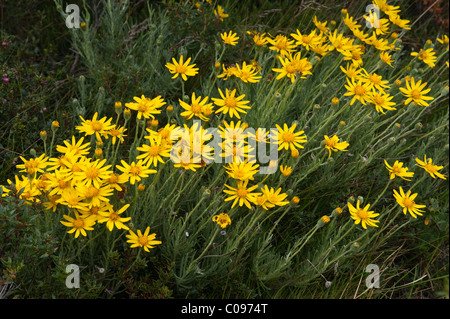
x,y
43,135
127,114
295,200
335,101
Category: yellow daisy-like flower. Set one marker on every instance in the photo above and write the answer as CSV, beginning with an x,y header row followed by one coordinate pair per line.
x,y
274,197
33,165
229,104
247,73
135,171
339,41
220,13
381,101
362,215
430,168
406,201
360,91
95,126
398,170
223,220
117,133
143,240
428,56
241,194
258,38
154,151
386,58
352,71
95,196
282,44
93,172
285,170
293,66
350,23
230,38
375,81
72,198
79,224
242,171
333,144
288,139
416,92
112,218
146,107
196,108
181,68
78,148
306,40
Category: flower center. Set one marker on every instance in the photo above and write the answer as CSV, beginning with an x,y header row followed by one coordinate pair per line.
x,y
330,143
415,94
153,150
290,68
78,223
63,184
196,108
360,90
379,100
113,216
164,133
241,192
181,69
362,214
135,170
430,168
408,202
92,173
143,240
288,137
113,179
230,102
92,192
97,126
281,45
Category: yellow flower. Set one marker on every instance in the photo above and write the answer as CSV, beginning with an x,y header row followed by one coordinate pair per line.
x,y
306,40
333,144
117,133
360,91
325,219
293,66
95,127
220,13
273,197
196,108
112,218
135,171
406,201
72,198
182,69
350,23
223,220
258,38
230,38
281,44
79,224
288,139
339,42
94,196
229,104
33,165
362,215
241,194
154,151
430,168
398,170
286,170
142,239
351,71
381,101
146,107
386,58
247,73
428,56
79,148
93,172
242,171
415,92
